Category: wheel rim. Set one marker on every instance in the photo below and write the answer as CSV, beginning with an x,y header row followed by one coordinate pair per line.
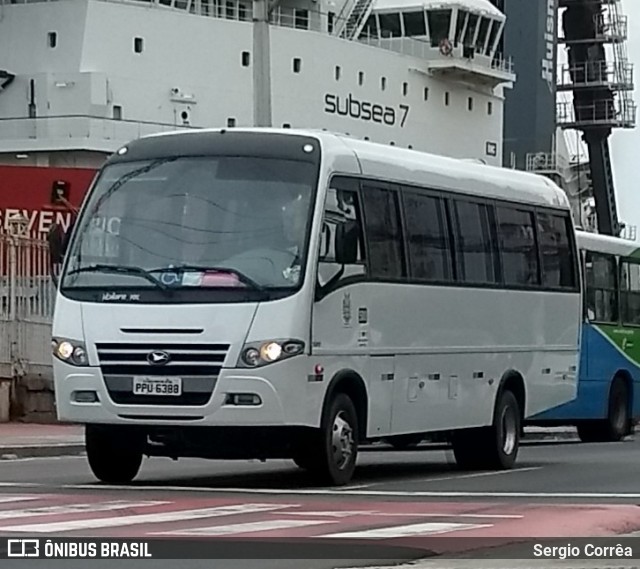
x,y
509,431
342,444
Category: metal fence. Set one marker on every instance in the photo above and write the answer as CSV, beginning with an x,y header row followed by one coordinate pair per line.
x,y
27,297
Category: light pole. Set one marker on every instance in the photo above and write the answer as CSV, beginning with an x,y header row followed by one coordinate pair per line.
x,y
262,10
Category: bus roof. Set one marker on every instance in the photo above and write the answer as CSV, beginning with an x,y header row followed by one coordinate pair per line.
x,y
382,161
606,244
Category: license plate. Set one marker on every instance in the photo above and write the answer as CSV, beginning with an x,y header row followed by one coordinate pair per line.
x,y
157,386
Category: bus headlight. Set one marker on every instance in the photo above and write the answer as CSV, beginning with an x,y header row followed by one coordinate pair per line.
x,y
70,351
257,354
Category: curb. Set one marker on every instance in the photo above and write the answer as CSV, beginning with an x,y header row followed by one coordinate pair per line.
x,y
35,451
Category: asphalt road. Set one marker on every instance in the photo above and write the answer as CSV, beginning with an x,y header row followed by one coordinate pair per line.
x,y
395,499
608,473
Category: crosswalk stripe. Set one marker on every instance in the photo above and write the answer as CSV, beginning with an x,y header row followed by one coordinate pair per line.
x,y
390,532
76,509
249,527
9,499
157,518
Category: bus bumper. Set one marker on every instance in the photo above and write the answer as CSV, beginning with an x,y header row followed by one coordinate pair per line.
x,y
275,395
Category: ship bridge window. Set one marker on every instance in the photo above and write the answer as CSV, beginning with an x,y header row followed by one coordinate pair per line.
x,y
301,19
370,29
439,25
390,25
462,19
331,17
482,35
471,30
414,24
493,35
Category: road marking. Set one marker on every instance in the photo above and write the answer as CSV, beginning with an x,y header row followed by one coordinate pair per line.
x,y
157,518
33,458
428,528
8,499
345,514
326,492
481,474
249,527
76,509
336,492
335,513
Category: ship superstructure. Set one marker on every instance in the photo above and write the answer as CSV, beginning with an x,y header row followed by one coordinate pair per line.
x,y
79,78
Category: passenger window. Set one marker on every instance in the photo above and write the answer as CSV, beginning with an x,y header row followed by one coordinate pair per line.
x,y
342,206
558,262
601,285
630,292
383,233
476,248
518,250
429,253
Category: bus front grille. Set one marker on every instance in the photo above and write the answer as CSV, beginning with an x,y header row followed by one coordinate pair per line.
x,y
197,366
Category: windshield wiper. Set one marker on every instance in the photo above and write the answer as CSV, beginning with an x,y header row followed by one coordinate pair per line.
x,y
196,268
122,269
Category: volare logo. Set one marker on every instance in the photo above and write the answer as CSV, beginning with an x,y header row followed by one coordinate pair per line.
x,y
23,548
351,107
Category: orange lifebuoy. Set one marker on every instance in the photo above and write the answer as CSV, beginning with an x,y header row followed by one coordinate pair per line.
x,y
445,47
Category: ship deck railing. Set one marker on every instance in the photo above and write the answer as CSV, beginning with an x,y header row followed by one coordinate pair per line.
x,y
295,18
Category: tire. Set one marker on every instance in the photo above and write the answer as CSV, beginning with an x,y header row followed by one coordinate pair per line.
x,y
114,457
617,425
405,442
333,453
495,447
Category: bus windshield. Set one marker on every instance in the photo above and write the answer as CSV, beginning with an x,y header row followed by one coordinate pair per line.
x,y
207,224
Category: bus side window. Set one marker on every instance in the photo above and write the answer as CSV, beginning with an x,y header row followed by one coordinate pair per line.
x,y
558,266
630,292
383,232
601,286
341,206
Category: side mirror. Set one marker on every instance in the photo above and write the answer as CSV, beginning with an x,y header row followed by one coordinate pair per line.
x,y
58,240
346,242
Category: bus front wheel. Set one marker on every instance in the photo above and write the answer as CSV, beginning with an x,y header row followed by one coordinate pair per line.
x,y
495,447
617,425
113,457
334,451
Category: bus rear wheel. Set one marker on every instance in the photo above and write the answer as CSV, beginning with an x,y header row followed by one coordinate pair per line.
x,y
617,425
334,450
114,457
495,447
